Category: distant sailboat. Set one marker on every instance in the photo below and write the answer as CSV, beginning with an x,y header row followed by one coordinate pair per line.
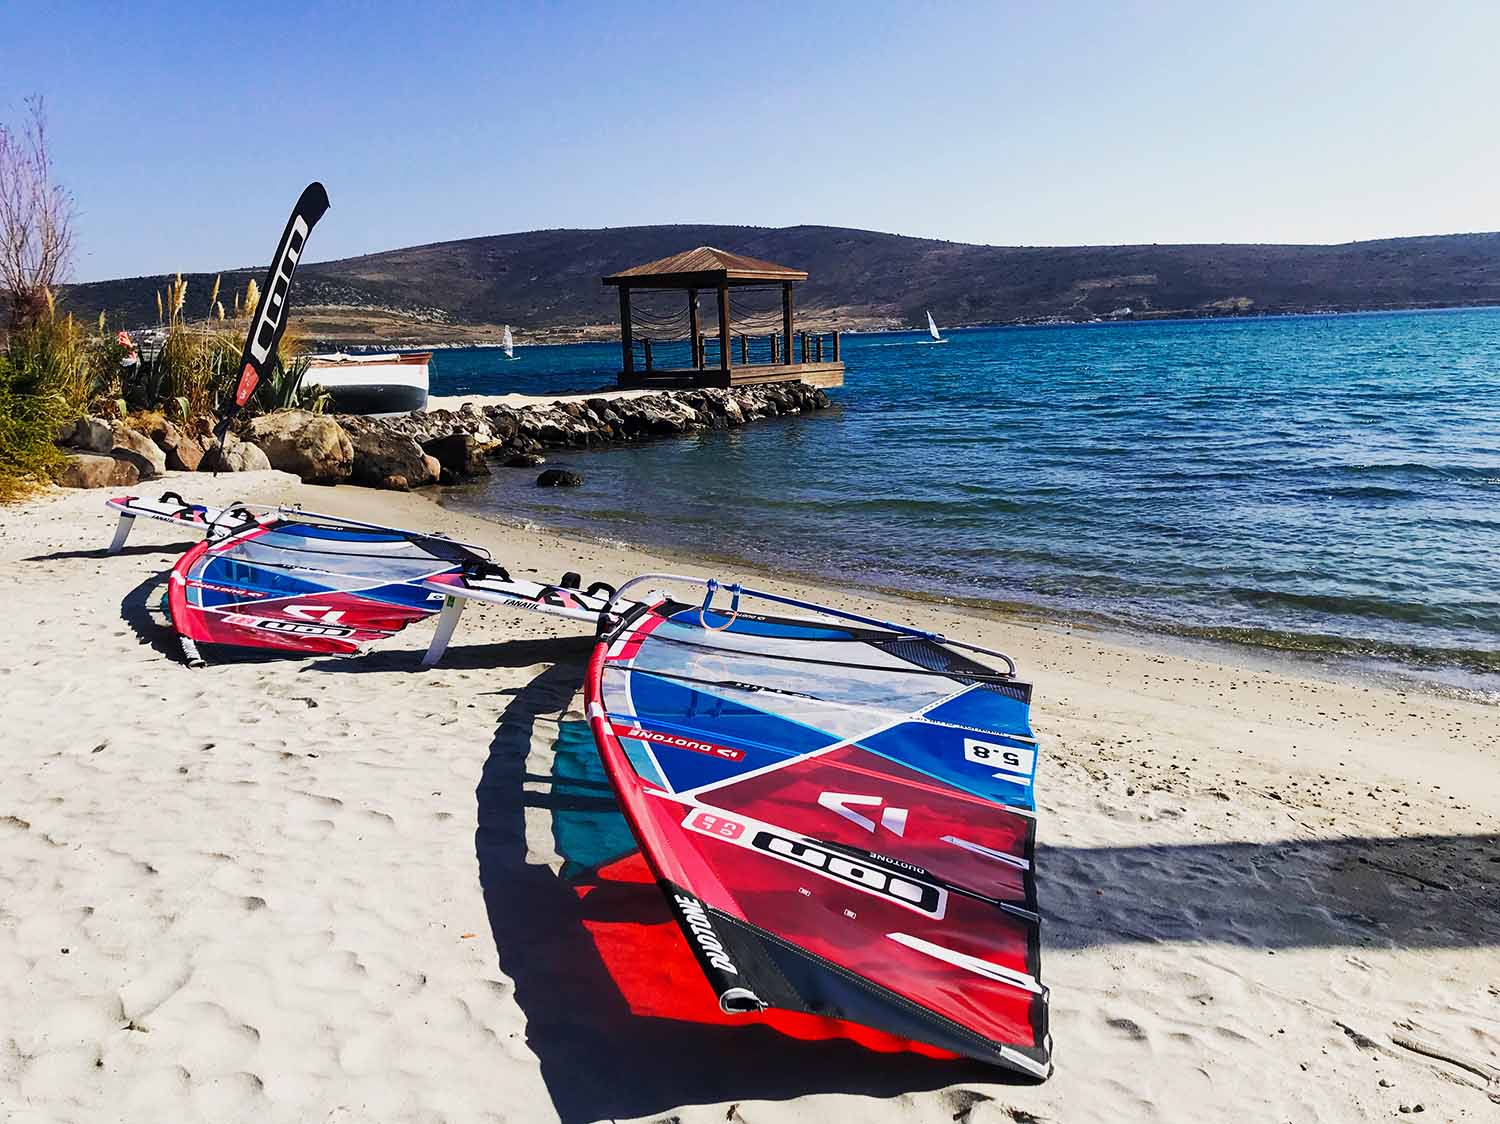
x,y
932,327
508,342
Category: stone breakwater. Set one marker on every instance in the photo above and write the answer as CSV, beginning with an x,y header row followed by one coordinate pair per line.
x,y
413,450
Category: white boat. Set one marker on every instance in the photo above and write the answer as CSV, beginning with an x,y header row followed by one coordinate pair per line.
x,y
372,384
932,328
508,342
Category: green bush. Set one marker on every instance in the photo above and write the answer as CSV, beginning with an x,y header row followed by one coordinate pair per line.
x,y
52,372
44,384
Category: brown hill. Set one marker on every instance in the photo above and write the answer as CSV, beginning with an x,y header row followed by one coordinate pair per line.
x,y
546,282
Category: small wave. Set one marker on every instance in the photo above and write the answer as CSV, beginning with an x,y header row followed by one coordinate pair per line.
x,y
1483,474
1484,616
1362,492
1475,661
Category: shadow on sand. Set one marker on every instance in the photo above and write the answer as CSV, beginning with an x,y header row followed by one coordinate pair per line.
x,y
466,657
598,1059
1426,891
137,609
177,548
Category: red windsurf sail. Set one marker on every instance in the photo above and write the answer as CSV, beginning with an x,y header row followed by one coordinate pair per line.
x,y
309,585
840,813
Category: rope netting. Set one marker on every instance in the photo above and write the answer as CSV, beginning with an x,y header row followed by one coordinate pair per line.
x,y
661,316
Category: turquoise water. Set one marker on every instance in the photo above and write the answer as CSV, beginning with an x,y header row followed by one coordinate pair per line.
x,y
1327,484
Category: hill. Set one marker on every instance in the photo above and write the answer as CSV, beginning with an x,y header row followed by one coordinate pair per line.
x,y
546,282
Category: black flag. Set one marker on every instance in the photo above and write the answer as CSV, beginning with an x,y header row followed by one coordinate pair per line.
x,y
269,320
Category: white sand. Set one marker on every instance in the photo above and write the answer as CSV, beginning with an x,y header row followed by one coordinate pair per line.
x,y
251,892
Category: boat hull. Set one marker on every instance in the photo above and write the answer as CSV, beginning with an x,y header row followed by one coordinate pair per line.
x,y
373,385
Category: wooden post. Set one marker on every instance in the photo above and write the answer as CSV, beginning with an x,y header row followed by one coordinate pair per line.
x,y
625,340
775,349
646,346
786,318
818,348
744,351
804,347
724,343
837,349
693,333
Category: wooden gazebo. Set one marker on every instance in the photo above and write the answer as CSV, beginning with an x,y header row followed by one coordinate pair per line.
x,y
740,358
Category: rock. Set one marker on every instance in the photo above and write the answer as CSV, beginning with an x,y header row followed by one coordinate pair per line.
x,y
459,456
140,451
559,478
90,470
235,456
380,451
395,483
93,435
316,448
186,455
460,439
166,435
154,424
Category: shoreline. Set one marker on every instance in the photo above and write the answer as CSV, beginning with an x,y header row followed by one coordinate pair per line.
x,y
609,334
1339,661
314,887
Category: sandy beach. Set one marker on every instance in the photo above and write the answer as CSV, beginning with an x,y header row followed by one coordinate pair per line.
x,y
332,889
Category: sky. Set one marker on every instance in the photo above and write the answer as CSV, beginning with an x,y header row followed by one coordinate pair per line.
x,y
186,131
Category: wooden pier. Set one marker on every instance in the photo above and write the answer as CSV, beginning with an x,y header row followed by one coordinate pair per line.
x,y
725,358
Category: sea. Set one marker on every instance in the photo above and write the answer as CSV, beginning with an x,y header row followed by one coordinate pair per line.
x,y
1321,485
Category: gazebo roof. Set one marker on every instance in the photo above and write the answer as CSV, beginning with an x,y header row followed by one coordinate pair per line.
x,y
703,267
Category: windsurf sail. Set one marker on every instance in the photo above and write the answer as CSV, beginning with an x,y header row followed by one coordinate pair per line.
x,y
932,330
509,343
269,321
308,584
839,810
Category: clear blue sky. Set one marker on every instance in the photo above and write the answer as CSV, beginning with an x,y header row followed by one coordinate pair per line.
x,y
185,131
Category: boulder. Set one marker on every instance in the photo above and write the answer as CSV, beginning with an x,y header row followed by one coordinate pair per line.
x,y
395,484
459,456
186,454
94,435
154,424
379,452
525,460
434,467
90,470
559,478
180,444
313,447
235,456
166,435
140,451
